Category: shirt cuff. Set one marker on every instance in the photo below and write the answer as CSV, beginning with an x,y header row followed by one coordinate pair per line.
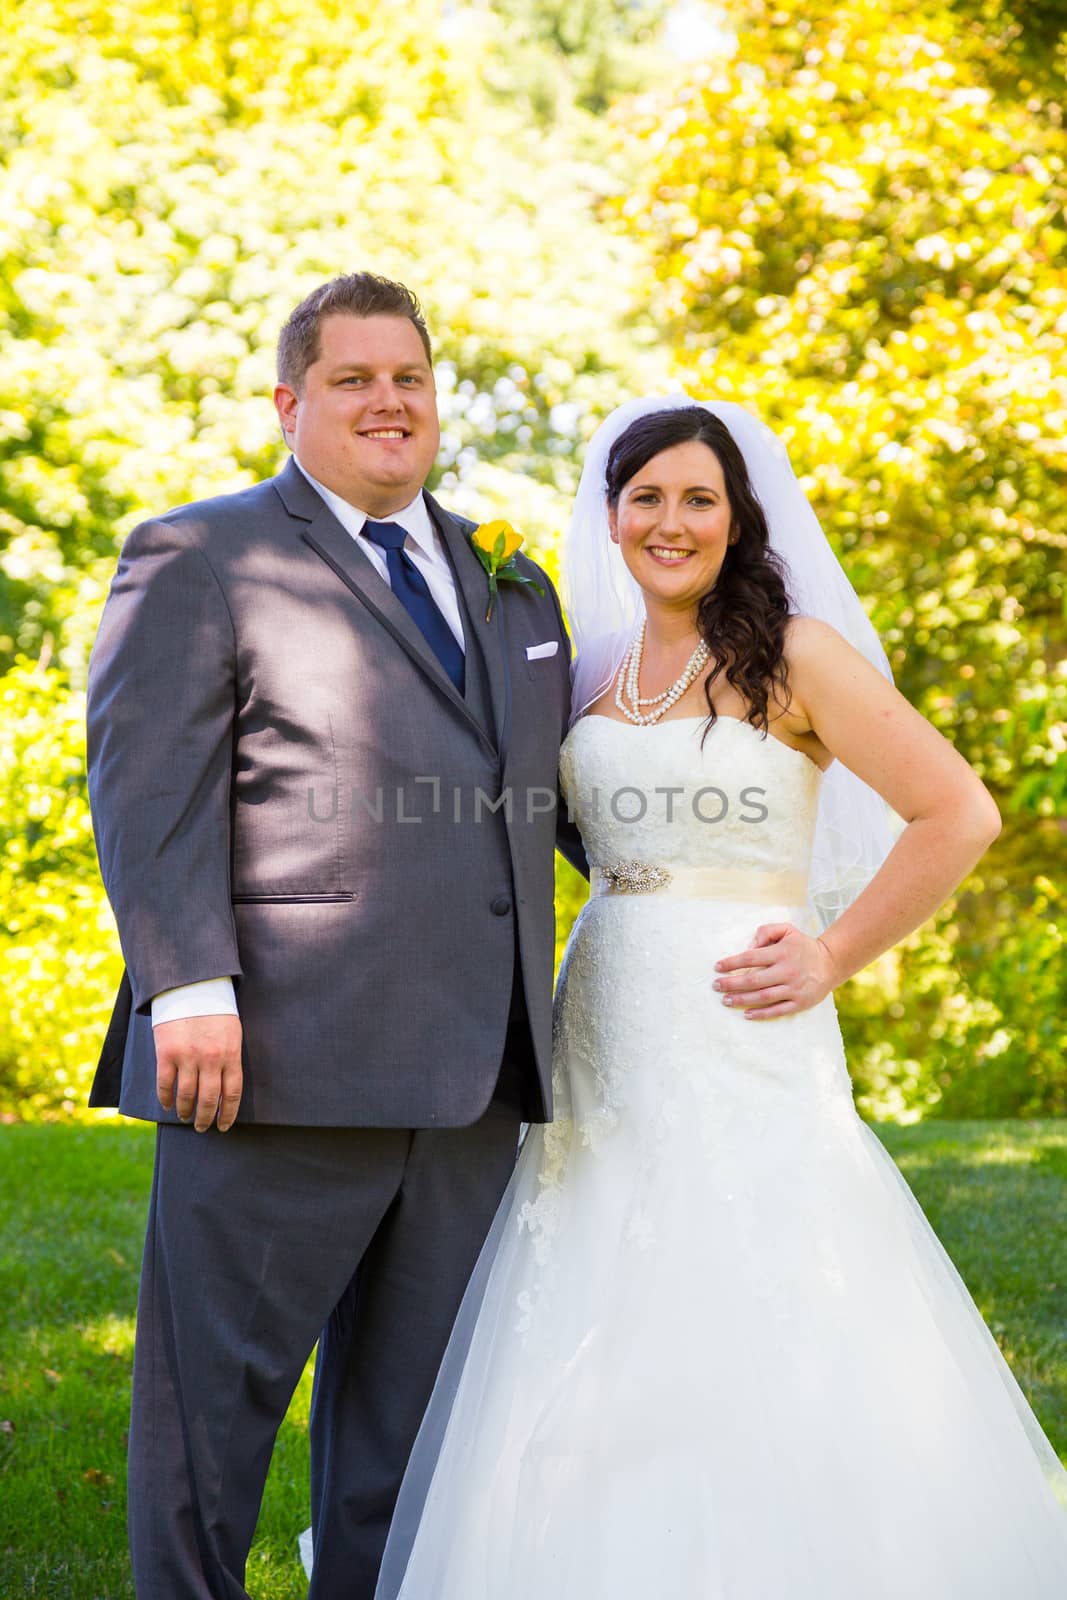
x,y
212,997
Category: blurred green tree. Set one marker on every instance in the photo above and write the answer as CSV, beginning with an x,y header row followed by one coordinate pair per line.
x,y
173,180
850,217
855,225
584,52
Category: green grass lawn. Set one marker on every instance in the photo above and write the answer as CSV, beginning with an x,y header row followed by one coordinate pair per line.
x,y
72,1207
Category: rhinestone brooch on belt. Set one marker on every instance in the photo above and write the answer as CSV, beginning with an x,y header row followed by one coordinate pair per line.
x,y
635,877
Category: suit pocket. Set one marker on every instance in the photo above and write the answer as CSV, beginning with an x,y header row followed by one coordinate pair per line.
x,y
290,899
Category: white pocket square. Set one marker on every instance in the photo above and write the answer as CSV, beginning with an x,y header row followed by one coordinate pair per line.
x,y
538,652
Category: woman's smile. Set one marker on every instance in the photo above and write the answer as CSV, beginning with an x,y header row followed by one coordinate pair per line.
x,y
667,555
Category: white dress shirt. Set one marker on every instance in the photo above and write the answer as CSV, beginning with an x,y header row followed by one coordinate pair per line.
x,y
423,545
214,997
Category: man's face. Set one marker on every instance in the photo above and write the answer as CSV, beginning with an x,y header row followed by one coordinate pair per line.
x,y
365,422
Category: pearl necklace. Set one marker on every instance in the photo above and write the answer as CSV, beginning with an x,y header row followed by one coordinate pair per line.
x,y
626,684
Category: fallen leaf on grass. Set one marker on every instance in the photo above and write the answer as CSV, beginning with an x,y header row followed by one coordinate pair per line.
x,y
53,1377
98,1479
7,1427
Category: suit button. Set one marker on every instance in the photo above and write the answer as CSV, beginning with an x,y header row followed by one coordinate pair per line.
x,y
500,906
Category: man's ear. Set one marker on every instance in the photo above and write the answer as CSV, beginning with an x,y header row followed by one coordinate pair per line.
x,y
286,401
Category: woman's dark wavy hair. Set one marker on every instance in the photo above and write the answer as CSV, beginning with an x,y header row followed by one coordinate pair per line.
x,y
742,619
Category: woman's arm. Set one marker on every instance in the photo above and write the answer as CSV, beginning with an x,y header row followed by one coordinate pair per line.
x,y
950,818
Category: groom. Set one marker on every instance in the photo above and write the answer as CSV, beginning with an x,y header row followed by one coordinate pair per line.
x,y
323,786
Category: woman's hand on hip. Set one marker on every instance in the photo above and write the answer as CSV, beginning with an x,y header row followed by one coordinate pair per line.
x,y
782,972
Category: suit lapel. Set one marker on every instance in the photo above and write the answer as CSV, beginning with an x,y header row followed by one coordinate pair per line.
x,y
490,637
321,530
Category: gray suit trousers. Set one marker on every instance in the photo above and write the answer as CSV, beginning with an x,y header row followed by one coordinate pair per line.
x,y
259,1240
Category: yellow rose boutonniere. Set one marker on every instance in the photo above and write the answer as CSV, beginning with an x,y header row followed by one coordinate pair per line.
x,y
496,544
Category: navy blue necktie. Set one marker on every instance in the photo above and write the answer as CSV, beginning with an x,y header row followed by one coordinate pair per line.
x,y
413,592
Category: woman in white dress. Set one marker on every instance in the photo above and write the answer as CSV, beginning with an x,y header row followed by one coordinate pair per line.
x,y
713,1350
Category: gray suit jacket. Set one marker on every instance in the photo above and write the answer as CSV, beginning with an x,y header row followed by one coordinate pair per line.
x,y
287,787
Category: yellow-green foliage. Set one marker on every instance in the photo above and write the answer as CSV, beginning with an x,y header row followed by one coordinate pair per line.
x,y
849,216
58,947
173,180
856,221
854,234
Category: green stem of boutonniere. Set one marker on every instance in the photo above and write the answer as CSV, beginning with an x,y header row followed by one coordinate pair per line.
x,y
496,564
509,572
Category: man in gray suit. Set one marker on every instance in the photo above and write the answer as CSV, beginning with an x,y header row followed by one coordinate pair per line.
x,y
324,791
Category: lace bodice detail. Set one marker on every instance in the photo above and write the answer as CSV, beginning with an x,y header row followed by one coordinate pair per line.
x,y
656,794
635,985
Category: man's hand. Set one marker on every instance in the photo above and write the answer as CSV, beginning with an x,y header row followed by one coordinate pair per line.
x,y
785,971
198,1069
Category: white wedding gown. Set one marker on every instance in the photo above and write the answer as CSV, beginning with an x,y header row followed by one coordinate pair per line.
x,y
713,1350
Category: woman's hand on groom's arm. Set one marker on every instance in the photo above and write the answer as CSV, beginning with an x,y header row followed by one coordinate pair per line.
x,y
198,1069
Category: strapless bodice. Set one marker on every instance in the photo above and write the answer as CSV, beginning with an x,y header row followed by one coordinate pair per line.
x,y
669,794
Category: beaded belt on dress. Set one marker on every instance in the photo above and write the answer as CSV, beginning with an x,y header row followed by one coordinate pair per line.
x,y
701,883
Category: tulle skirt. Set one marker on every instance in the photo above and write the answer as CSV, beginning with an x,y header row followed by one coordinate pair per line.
x,y
714,1351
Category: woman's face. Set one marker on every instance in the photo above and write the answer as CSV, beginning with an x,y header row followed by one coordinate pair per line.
x,y
673,524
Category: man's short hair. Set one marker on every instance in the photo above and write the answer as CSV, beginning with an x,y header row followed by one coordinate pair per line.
x,y
355,294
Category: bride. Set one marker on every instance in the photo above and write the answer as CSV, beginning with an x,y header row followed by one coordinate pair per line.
x,y
712,1349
